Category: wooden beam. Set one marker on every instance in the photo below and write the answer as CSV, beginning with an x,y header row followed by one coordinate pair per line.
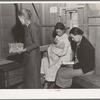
x,y
35,10
48,25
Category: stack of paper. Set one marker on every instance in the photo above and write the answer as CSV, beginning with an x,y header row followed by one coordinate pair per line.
x,y
15,47
68,63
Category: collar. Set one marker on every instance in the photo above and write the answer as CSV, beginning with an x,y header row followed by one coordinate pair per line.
x,y
80,42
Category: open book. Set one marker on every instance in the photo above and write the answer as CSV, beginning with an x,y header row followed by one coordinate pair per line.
x,y
68,63
15,47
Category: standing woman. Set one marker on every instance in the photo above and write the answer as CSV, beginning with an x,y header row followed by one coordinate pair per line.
x,y
32,58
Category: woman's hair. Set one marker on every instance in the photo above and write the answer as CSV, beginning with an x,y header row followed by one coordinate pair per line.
x,y
54,34
60,26
76,31
26,13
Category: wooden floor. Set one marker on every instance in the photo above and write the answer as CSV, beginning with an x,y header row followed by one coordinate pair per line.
x,y
79,82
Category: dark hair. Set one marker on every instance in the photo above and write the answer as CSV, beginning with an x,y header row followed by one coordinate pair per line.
x,y
54,34
76,31
26,13
60,26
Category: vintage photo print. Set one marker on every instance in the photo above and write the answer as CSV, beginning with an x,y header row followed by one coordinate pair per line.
x,y
49,49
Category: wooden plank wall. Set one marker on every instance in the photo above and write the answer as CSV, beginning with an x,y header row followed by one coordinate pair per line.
x,y
89,22
7,22
0,33
49,20
94,32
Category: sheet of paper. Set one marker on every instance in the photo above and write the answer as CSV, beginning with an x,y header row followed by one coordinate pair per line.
x,y
68,63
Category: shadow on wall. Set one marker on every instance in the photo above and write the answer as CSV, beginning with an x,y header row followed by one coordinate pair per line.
x,y
18,34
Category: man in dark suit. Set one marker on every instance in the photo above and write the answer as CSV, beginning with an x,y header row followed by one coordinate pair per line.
x,y
84,57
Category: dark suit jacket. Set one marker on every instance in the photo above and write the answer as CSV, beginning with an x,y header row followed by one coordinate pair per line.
x,y
86,56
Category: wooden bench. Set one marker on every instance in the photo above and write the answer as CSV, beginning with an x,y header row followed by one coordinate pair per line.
x,y
89,81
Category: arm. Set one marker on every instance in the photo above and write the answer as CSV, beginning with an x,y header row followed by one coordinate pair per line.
x,y
65,49
34,37
86,59
56,49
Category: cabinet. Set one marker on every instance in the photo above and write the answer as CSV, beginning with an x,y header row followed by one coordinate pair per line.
x,y
11,73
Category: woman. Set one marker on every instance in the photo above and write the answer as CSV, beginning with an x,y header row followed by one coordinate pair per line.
x,y
57,53
84,55
32,58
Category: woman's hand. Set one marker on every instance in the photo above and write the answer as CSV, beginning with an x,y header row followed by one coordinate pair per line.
x,y
70,66
21,51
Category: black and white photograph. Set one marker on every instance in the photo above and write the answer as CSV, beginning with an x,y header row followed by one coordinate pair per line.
x,y
50,46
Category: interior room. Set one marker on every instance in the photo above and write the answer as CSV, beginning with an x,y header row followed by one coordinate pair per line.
x,y
85,16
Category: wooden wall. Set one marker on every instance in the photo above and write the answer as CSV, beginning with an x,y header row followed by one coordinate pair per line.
x,y
7,21
89,22
49,20
94,32
0,33
88,19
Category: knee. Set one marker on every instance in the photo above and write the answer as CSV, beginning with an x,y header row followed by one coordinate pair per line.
x,y
68,73
59,74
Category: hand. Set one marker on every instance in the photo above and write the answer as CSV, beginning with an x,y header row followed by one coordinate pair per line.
x,y
69,66
55,41
21,51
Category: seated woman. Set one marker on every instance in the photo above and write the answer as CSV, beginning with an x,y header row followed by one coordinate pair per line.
x,y
84,59
57,53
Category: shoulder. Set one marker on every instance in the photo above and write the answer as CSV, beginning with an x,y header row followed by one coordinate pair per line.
x,y
65,35
32,25
86,44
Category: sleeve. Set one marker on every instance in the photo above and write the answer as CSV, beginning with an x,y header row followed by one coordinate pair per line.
x,y
34,37
61,45
65,49
84,63
57,49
